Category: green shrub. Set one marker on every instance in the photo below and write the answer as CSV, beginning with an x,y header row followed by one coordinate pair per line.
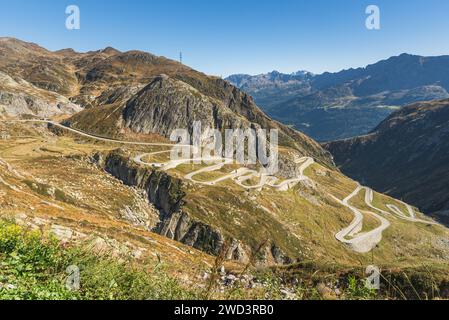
x,y
357,290
33,266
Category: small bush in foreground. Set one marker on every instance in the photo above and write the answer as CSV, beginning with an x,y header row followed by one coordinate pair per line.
x,y
33,267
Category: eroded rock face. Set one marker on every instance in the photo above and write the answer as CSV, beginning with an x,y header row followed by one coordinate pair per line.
x,y
167,194
18,98
167,104
19,104
141,212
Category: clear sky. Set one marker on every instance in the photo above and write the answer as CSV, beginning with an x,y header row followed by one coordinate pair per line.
x,y
222,37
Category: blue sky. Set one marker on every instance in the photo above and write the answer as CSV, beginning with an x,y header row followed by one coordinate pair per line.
x,y
222,37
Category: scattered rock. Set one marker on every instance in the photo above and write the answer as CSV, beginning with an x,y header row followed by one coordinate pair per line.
x,y
325,291
63,234
288,295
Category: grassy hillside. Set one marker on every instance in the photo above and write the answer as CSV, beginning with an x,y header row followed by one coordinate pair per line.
x,y
406,156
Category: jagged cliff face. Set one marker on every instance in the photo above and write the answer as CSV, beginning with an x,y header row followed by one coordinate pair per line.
x,y
167,104
406,156
18,97
177,221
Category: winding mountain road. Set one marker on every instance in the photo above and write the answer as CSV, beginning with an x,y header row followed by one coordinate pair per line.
x,y
91,136
352,235
238,176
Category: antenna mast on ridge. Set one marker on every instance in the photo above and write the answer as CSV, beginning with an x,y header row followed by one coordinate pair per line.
x,y
180,57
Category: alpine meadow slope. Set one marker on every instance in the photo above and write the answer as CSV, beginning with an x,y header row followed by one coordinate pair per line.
x,y
406,156
84,153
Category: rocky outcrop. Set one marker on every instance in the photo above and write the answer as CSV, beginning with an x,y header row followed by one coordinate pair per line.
x,y
20,98
19,104
279,256
167,104
166,194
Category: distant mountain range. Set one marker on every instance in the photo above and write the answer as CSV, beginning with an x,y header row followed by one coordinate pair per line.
x,y
271,80
274,87
351,102
406,156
